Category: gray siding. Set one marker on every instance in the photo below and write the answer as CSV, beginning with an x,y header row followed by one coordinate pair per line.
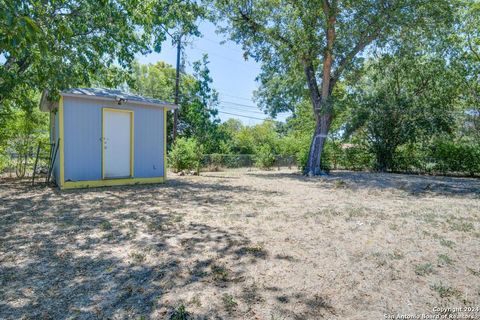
x,y
83,144
148,134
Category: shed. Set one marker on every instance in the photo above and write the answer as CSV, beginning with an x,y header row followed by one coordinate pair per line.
x,y
107,137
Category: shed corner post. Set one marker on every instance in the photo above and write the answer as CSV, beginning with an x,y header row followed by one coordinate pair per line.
x,y
165,111
62,143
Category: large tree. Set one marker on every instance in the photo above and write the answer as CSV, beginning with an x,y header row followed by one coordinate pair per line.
x,y
402,98
322,40
54,44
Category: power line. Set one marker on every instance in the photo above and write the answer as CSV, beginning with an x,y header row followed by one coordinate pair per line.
x,y
239,104
240,109
239,115
210,52
238,97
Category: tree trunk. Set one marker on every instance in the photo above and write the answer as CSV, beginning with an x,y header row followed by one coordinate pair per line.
x,y
322,110
321,100
316,147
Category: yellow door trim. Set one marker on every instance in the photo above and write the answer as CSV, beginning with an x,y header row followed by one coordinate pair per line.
x,y
132,139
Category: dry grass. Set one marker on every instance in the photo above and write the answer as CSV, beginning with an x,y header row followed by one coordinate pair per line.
x,y
238,244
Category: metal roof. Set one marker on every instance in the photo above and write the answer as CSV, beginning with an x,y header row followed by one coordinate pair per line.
x,y
117,95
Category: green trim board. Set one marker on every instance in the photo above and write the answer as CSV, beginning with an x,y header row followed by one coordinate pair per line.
x,y
110,182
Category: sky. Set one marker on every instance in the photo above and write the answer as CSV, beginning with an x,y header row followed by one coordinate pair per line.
x,y
233,77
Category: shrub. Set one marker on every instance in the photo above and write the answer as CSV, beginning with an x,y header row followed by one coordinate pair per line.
x,y
410,158
186,154
456,156
5,162
356,157
215,161
301,154
264,157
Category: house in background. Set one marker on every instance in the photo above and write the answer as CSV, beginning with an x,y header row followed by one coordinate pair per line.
x,y
106,137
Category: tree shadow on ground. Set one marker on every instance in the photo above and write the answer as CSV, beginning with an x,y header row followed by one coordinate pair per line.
x,y
109,253
412,184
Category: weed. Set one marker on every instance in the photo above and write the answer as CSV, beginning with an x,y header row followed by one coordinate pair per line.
x,y
447,243
379,259
393,227
474,272
196,301
318,302
340,183
105,225
229,303
177,218
132,228
109,236
219,273
430,218
137,257
444,259
423,269
355,213
396,255
251,295
154,226
180,313
462,226
256,250
282,256
445,291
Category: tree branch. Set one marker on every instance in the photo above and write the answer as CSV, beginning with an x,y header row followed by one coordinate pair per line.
x,y
475,53
256,27
364,41
326,8
312,85
366,38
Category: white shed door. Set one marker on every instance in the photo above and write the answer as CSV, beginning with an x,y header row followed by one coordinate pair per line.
x,y
116,144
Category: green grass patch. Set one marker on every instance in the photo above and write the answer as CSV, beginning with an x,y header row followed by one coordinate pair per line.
x,y
424,269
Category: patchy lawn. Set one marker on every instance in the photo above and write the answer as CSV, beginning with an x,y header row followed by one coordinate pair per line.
x,y
239,244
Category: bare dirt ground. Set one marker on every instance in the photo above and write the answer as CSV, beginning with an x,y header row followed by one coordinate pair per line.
x,y
242,245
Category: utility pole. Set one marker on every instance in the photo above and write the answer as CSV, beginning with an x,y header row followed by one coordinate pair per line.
x,y
177,87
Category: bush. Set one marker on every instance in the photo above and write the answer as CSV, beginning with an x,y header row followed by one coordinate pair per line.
x,y
356,157
186,154
5,162
264,157
215,162
456,156
303,148
411,158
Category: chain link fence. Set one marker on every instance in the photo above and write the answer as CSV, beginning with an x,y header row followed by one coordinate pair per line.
x,y
217,162
21,164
